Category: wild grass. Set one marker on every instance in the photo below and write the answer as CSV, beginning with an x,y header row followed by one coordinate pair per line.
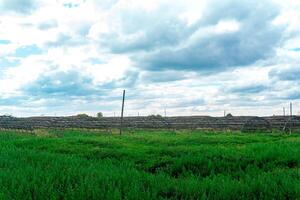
x,y
76,164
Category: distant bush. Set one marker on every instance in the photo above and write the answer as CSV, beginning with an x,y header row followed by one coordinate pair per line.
x,y
82,115
99,114
229,115
7,116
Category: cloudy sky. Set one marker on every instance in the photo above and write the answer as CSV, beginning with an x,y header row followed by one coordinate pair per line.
x,y
192,57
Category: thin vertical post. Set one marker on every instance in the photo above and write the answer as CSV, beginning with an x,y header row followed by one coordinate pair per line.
x,y
291,114
284,111
224,113
122,112
165,110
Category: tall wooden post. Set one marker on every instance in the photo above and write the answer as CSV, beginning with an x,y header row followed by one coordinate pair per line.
x,y
291,115
122,112
284,111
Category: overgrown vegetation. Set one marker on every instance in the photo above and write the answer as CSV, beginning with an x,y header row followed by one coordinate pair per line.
x,y
83,115
99,114
74,164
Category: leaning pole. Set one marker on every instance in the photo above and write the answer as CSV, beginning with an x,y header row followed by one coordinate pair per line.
x,y
122,112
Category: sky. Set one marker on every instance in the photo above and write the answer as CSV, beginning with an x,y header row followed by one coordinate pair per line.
x,y
188,57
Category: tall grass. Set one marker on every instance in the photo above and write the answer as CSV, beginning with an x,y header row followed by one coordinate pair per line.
x,y
148,165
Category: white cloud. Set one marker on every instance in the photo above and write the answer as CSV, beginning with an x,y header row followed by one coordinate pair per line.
x,y
108,42
227,26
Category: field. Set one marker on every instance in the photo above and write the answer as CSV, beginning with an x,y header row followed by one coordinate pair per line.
x,y
76,164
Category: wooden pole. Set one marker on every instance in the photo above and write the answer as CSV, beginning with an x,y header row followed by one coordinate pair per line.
x,y
291,114
122,112
283,111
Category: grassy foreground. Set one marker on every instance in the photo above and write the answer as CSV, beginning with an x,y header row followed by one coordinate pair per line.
x,y
148,165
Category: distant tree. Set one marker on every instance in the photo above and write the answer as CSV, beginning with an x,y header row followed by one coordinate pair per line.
x,y
229,115
82,115
7,116
99,114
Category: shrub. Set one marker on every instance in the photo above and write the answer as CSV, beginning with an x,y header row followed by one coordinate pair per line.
x,y
82,115
99,114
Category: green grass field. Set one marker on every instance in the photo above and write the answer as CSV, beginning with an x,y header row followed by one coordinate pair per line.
x,y
148,165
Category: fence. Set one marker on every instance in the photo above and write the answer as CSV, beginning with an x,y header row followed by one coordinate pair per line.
x,y
244,123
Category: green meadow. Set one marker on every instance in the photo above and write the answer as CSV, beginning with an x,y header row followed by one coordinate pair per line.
x,y
148,164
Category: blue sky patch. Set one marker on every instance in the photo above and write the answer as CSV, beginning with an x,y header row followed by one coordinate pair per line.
x,y
8,63
95,61
4,42
296,49
27,51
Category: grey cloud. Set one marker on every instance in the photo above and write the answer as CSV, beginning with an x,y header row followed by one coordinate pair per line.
x,y
214,52
159,40
286,74
63,84
249,89
258,12
188,103
162,76
16,100
256,39
73,84
145,31
294,95
127,81
66,40
290,91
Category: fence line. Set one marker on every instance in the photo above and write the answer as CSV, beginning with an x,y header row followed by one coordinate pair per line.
x,y
193,122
